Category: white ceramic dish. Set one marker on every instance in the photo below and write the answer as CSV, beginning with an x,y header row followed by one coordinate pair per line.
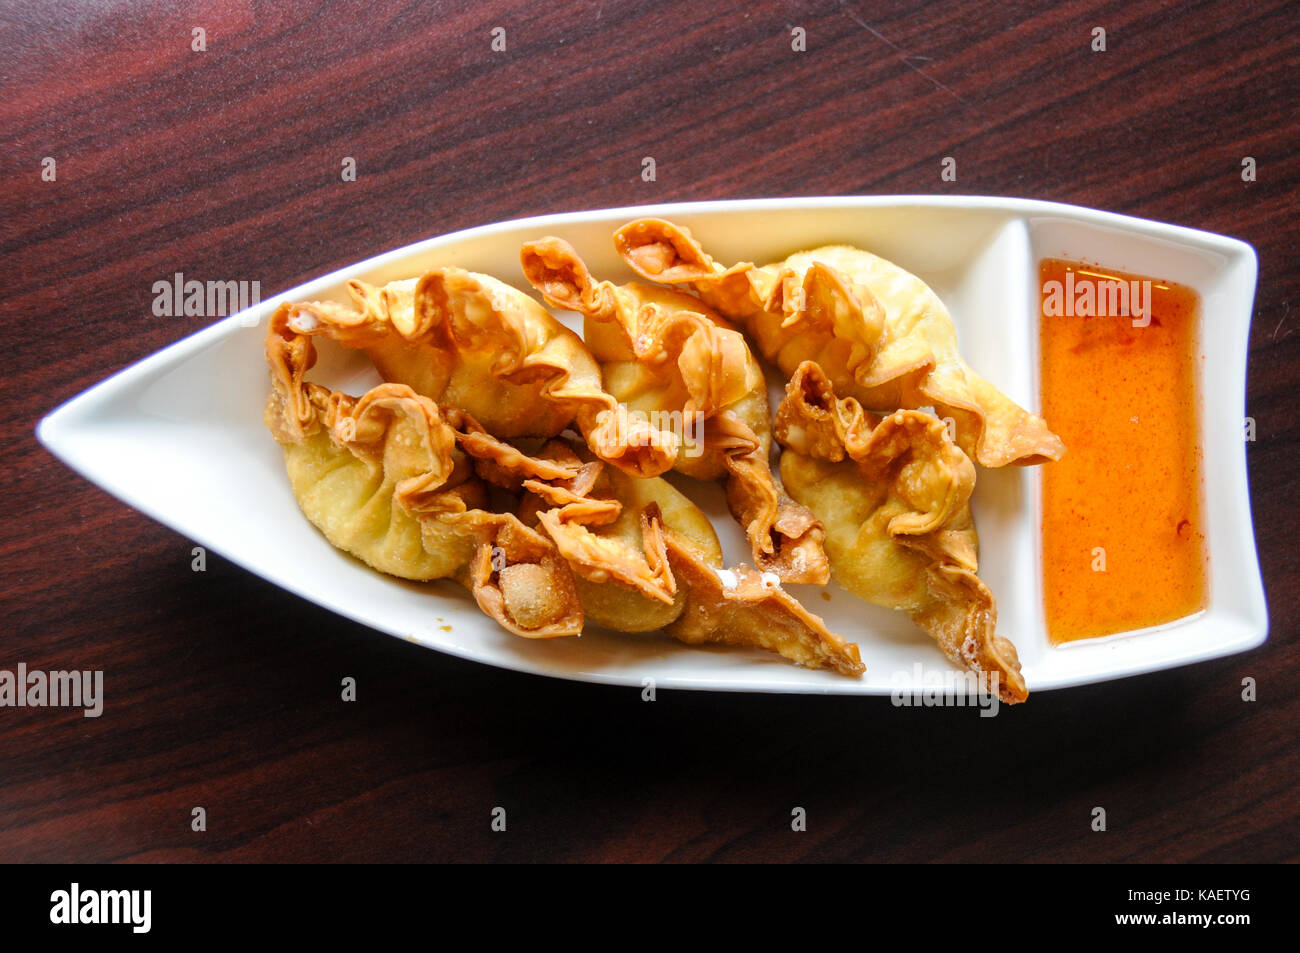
x,y
179,437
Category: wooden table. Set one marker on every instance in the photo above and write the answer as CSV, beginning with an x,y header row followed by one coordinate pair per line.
x,y
226,162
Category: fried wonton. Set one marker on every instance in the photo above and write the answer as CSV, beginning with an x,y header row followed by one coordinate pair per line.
x,y
389,478
673,362
741,606
468,341
894,496
880,334
610,527
646,558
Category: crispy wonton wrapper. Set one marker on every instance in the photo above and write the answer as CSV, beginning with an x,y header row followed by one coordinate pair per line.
x,y
879,333
894,496
652,561
610,527
391,479
673,362
471,342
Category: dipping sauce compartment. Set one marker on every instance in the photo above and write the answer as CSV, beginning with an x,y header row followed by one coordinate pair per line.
x,y
1123,524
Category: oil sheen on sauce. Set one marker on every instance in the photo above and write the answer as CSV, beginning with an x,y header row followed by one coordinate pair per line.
x,y
1123,516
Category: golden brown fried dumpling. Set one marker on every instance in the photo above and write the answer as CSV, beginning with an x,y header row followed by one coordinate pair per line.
x,y
345,476
387,478
741,606
894,496
671,361
650,560
610,526
469,341
879,333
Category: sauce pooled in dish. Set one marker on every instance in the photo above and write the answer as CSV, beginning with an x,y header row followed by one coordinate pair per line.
x,y
1123,520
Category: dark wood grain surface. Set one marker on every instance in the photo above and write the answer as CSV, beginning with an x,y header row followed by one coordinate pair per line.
x,y
222,691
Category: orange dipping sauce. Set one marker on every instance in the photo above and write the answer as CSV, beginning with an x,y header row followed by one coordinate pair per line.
x,y
1123,518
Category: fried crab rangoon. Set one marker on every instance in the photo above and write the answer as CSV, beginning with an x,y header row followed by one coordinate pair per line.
x,y
894,496
471,342
403,484
879,333
524,462
392,479
671,360
651,560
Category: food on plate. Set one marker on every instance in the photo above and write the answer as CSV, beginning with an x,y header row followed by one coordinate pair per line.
x,y
880,334
894,496
651,560
1123,516
405,485
670,360
743,607
609,526
387,478
471,342
526,463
